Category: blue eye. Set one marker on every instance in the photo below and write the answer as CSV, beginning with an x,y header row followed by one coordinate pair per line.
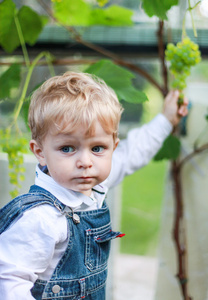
x,y
67,149
98,149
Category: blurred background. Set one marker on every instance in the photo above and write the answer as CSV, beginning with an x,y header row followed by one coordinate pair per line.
x,y
140,197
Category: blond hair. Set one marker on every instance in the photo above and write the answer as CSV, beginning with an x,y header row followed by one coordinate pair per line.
x,y
62,103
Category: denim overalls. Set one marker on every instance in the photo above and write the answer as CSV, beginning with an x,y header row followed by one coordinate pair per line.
x,y
82,271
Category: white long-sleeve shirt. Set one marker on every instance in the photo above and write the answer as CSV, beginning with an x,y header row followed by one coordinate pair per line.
x,y
31,248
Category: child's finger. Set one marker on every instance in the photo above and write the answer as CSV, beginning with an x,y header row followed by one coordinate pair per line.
x,y
173,95
183,110
185,101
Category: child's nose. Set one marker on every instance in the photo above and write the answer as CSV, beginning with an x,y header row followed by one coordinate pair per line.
x,y
84,160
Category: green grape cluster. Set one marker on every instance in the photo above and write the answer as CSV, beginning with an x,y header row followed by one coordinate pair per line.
x,y
14,146
182,57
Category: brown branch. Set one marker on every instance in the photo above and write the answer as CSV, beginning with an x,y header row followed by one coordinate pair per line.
x,y
102,51
179,233
56,62
161,52
192,154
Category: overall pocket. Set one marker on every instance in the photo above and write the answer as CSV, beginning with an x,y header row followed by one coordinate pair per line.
x,y
98,246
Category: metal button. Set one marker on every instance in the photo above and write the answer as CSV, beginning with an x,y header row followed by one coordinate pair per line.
x,y
76,219
56,289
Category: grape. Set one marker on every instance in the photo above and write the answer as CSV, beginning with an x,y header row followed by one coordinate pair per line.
x,y
14,147
182,57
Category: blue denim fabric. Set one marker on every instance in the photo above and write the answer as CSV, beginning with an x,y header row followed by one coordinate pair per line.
x,y
82,271
14,209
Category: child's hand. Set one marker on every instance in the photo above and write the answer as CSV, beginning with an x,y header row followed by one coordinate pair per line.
x,y
172,110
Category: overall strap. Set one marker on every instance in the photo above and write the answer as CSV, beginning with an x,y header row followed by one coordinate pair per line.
x,y
14,209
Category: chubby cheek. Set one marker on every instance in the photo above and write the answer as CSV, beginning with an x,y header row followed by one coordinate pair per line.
x,y
56,175
61,180
105,170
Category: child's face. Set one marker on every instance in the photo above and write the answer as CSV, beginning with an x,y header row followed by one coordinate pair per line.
x,y
76,161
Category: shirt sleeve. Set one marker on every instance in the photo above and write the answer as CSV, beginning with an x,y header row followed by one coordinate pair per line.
x,y
138,148
26,250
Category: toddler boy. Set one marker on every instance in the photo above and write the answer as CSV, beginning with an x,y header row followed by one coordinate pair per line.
x,y
55,240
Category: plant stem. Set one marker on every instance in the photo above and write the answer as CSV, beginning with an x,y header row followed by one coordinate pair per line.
x,y
179,232
184,27
25,87
194,153
22,41
50,66
161,52
192,19
190,8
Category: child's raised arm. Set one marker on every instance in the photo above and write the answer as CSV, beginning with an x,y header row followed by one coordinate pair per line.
x,y
143,143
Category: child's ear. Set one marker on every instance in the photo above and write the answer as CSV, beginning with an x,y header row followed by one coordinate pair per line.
x,y
116,143
38,152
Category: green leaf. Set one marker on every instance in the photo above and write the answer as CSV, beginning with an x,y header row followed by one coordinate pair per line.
x,y
10,79
72,12
131,94
81,13
30,22
26,105
8,33
119,79
112,16
170,149
158,8
44,20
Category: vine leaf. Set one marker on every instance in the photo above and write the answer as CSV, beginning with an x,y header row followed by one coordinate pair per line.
x,y
10,79
30,22
158,8
81,13
112,16
72,12
170,149
119,79
8,31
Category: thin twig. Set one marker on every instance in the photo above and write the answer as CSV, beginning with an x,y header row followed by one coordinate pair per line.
x,y
192,154
161,52
22,41
55,62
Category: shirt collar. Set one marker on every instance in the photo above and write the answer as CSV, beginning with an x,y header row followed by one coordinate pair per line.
x,y
68,197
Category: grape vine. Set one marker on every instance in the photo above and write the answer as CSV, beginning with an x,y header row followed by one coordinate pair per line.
x,y
14,147
12,140
182,57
